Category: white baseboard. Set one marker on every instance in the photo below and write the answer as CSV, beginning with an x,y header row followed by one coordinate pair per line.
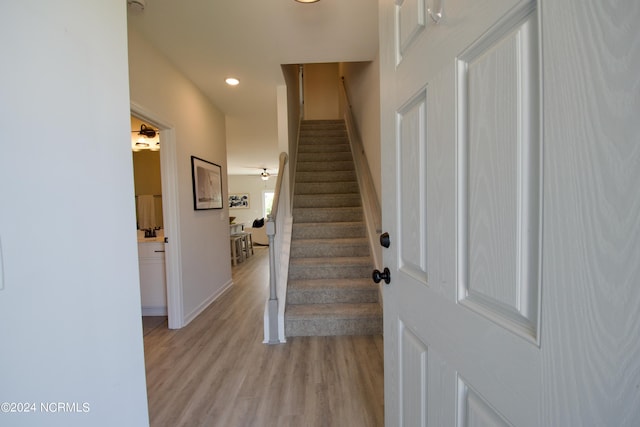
x,y
199,309
154,311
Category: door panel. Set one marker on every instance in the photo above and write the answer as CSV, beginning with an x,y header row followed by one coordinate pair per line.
x,y
474,411
414,378
411,202
460,158
499,175
410,22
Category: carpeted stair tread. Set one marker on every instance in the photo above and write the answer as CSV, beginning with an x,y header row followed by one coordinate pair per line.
x,y
333,241
329,247
329,267
326,176
325,166
313,285
331,261
333,319
337,187
349,200
327,156
325,144
330,290
326,291
318,215
323,124
332,283
313,230
337,311
318,147
327,133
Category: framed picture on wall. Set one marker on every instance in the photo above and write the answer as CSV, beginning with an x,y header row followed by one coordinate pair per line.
x,y
239,201
207,184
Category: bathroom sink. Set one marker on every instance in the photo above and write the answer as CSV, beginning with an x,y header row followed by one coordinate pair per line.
x,y
159,237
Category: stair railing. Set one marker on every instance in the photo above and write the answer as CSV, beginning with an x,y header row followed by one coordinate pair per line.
x,y
273,223
370,202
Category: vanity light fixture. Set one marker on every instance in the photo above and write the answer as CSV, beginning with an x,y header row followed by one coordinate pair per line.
x,y
140,145
232,81
265,175
144,134
146,131
136,6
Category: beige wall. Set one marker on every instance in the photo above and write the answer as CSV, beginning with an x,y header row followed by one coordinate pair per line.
x,y
363,87
147,179
321,91
146,172
158,87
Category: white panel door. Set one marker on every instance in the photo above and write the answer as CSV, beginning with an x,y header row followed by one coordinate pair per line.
x,y
462,204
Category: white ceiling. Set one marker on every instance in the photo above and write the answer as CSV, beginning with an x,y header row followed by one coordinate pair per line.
x,y
209,40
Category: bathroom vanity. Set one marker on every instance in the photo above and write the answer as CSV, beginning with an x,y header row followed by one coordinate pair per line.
x,y
153,283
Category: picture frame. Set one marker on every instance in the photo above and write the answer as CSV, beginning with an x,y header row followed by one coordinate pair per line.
x,y
207,184
239,201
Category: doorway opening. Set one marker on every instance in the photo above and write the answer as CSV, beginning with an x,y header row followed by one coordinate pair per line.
x,y
145,143
167,240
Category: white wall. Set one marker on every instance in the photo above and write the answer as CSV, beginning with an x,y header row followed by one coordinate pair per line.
x,y
254,186
69,300
363,86
159,87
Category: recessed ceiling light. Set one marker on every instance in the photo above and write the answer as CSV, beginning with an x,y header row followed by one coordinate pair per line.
x,y
232,81
307,1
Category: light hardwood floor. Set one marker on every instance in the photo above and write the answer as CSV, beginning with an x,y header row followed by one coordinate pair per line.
x,y
217,372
